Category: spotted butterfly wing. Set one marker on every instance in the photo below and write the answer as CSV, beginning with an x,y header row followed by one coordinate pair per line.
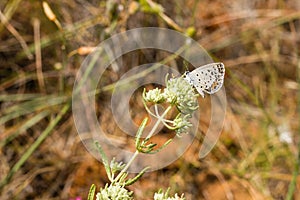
x,y
208,78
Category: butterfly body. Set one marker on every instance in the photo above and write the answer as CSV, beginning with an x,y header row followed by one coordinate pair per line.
x,y
208,78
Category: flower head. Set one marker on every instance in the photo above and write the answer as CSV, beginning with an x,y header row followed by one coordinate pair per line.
x,y
181,124
180,93
114,192
154,96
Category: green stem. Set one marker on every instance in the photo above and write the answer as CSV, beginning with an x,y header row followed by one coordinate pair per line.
x,y
160,119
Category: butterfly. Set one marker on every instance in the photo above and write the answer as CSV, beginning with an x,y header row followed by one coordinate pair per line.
x,y
208,78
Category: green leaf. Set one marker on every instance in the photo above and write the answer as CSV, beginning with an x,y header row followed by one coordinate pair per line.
x,y
137,177
167,192
146,148
162,147
140,131
123,177
151,145
104,160
91,192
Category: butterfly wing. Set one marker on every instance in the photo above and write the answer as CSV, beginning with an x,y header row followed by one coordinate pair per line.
x,y
208,78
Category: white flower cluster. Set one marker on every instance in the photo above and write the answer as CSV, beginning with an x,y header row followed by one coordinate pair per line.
x,y
114,192
178,93
154,96
164,196
182,124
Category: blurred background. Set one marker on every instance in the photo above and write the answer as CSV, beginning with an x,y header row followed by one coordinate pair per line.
x,y
42,45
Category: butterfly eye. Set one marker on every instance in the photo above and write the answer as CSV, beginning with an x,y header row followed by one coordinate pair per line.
x,y
185,74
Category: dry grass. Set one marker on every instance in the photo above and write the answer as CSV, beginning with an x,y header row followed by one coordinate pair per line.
x,y
258,41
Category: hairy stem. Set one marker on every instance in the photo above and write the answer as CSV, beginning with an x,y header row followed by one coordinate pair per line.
x,y
159,120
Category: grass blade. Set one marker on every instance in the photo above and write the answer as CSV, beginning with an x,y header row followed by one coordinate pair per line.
x,y
30,107
35,145
26,125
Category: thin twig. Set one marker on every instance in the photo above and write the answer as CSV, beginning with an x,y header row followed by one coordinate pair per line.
x,y
38,54
9,10
167,19
15,33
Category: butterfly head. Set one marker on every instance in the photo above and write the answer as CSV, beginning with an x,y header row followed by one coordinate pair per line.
x,y
188,78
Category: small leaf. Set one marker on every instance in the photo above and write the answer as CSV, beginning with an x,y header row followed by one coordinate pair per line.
x,y
167,192
137,177
123,177
144,147
162,147
104,160
92,192
116,166
150,146
140,131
